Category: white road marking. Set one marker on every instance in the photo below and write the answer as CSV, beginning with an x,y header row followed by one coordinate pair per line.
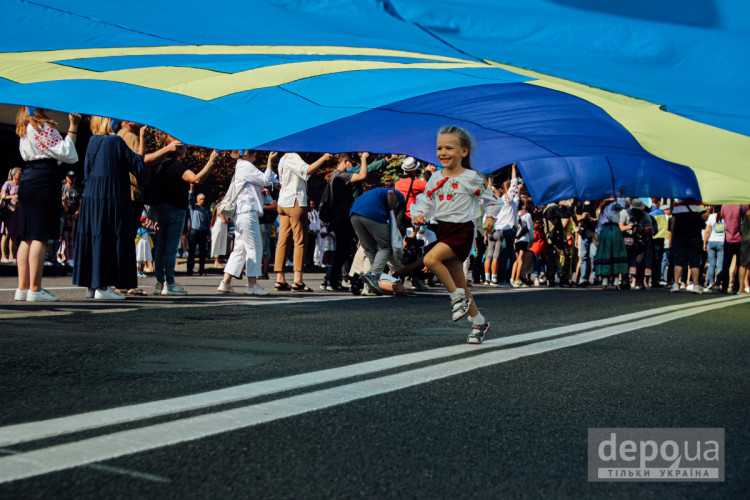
x,y
129,442
112,470
130,473
32,431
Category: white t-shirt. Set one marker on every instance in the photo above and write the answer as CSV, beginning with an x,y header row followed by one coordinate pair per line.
x,y
47,143
456,199
717,229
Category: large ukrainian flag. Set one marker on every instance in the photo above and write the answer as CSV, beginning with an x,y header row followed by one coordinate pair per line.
x,y
584,97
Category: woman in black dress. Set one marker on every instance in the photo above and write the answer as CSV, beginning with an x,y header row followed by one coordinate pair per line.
x,y
105,250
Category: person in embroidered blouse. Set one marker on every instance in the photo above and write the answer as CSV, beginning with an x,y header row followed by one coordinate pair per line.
x,y
292,207
452,197
43,149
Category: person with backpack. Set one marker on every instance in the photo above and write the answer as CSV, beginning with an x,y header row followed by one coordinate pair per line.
x,y
410,185
334,207
558,249
638,242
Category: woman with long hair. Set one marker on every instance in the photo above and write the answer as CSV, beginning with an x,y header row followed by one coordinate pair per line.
x,y
11,227
43,149
105,253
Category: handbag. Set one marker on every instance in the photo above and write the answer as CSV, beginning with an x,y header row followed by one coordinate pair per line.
x,y
397,244
228,205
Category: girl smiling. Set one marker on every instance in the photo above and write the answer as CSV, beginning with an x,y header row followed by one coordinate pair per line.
x,y
453,196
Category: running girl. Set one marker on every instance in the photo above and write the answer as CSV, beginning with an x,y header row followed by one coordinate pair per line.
x,y
453,197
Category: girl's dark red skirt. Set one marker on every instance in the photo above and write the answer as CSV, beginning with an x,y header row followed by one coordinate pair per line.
x,y
457,235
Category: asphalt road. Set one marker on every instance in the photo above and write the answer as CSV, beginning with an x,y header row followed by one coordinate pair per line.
x,y
324,395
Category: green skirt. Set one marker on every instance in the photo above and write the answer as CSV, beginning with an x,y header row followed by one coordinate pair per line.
x,y
611,256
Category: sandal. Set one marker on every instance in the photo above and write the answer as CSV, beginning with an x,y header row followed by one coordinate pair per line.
x,y
282,287
300,287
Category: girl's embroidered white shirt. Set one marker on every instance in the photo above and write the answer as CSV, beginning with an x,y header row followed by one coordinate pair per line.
x,y
456,199
47,144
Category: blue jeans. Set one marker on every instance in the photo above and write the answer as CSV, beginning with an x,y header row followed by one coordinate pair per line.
x,y
715,250
171,222
588,251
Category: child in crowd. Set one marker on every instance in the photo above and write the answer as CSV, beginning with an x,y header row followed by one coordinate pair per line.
x,y
452,196
143,246
539,250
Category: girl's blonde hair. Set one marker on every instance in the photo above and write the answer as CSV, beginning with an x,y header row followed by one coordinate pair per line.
x,y
101,125
23,118
464,139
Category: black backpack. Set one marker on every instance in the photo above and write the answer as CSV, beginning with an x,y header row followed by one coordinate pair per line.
x,y
325,207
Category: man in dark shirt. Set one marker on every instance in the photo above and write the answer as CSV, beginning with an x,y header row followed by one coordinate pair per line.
x,y
688,221
558,250
342,195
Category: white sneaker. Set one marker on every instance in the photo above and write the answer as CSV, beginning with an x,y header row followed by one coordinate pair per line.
x,y
173,289
693,288
675,288
40,296
89,293
158,288
256,289
108,294
20,295
536,281
225,288
367,292
4,260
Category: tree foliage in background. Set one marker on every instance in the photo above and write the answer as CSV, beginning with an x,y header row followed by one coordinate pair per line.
x,y
216,184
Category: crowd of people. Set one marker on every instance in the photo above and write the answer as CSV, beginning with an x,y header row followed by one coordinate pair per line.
x,y
445,224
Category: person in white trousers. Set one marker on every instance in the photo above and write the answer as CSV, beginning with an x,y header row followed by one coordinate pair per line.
x,y
248,245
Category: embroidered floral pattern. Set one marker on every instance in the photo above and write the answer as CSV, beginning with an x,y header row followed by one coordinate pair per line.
x,y
47,138
440,183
